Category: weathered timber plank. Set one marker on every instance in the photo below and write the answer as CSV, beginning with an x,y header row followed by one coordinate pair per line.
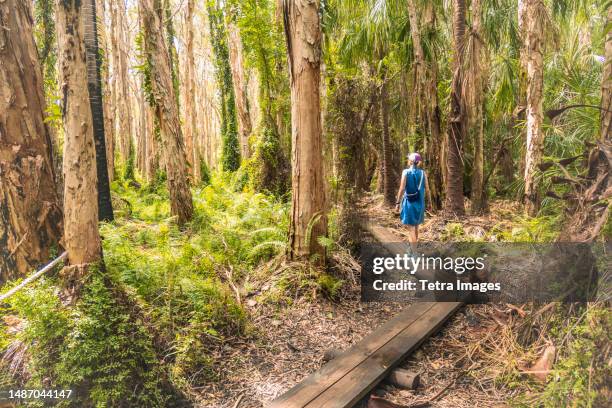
x,y
311,387
363,378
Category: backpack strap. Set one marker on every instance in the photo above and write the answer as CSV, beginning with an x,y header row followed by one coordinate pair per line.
x,y
421,182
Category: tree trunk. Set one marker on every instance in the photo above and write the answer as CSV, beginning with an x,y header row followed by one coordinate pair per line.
x,y
475,86
386,162
166,15
109,120
308,220
535,81
94,86
239,83
606,85
30,214
189,93
120,71
164,99
230,155
454,147
82,240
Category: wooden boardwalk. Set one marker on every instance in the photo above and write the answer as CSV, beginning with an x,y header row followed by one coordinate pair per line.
x,y
345,380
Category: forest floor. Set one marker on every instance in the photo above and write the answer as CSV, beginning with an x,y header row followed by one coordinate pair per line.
x,y
288,344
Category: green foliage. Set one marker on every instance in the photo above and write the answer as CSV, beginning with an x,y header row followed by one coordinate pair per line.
x,y
452,231
144,67
99,348
108,356
536,229
149,324
581,374
230,153
264,50
129,166
330,285
205,176
268,168
44,34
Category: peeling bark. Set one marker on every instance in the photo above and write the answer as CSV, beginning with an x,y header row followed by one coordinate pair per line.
x,y
189,94
308,219
82,239
166,110
30,214
534,33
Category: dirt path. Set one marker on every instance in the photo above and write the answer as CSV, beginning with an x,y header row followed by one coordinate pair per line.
x,y
287,344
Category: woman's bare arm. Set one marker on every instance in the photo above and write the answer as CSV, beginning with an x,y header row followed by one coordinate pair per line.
x,y
401,189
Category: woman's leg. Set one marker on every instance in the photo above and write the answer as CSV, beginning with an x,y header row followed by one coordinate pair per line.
x,y
412,237
416,233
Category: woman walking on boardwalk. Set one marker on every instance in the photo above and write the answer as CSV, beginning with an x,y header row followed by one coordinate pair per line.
x,y
410,200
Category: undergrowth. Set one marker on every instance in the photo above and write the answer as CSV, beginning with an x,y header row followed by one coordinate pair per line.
x,y
149,324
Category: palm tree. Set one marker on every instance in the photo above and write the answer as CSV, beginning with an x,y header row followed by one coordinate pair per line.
x,y
535,13
374,28
94,87
457,116
606,84
475,95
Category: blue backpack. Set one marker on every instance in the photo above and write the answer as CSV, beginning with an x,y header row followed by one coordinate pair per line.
x,y
413,190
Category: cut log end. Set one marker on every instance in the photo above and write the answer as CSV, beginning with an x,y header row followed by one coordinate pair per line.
x,y
404,379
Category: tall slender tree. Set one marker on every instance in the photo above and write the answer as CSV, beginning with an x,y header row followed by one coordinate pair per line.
x,y
30,212
535,13
81,236
457,116
163,99
94,86
388,185
123,108
107,99
475,91
238,81
308,218
230,156
190,92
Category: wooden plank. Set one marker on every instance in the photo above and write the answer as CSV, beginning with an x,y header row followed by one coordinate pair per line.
x,y
352,387
347,379
311,387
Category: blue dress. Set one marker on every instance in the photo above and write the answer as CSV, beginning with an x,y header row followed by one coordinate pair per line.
x,y
413,213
